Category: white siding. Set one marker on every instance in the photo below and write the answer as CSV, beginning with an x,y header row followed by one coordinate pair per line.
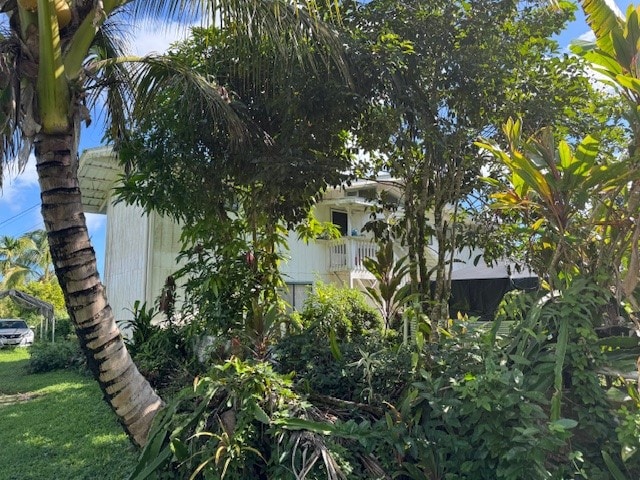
x,y
306,262
165,246
126,258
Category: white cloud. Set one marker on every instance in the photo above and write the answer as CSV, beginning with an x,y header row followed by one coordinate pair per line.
x,y
16,186
587,36
154,36
95,222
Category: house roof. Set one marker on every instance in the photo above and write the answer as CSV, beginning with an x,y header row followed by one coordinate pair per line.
x,y
501,269
98,172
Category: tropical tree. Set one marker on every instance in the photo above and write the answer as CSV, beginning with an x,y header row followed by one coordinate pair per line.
x,y
57,61
441,74
25,258
234,229
14,265
41,255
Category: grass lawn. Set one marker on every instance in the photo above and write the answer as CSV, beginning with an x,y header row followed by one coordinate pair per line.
x,y
56,426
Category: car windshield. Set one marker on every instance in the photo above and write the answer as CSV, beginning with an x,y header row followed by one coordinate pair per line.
x,y
12,324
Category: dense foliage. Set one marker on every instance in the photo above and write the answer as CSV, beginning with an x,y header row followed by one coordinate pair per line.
x,y
334,391
47,357
439,74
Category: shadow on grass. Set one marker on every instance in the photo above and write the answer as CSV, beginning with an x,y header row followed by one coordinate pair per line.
x,y
64,431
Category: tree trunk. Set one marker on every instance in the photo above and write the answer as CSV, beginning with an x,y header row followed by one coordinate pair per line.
x,y
128,393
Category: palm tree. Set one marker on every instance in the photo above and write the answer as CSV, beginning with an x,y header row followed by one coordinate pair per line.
x,y
59,59
40,255
15,261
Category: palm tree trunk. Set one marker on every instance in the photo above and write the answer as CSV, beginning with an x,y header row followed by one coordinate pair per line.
x,y
128,393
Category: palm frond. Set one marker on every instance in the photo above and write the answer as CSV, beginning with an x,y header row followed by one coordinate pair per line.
x,y
109,91
14,143
302,32
153,77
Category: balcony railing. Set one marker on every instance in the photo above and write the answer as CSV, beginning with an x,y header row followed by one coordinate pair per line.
x,y
347,254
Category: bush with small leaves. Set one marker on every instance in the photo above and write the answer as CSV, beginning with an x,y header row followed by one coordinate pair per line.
x,y
46,357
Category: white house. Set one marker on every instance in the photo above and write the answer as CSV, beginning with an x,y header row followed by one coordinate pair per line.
x,y
141,249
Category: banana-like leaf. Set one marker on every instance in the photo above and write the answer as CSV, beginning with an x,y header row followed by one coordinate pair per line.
x,y
623,51
631,27
609,65
628,82
602,20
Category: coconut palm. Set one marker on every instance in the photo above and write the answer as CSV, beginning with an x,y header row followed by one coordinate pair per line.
x,y
16,266
58,59
40,255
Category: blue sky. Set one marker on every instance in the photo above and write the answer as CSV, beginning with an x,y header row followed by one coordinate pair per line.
x,y
20,196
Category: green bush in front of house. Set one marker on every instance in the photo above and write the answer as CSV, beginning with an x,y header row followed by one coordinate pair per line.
x,y
343,311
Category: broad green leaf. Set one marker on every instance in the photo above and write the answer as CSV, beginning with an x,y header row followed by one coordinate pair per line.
x,y
333,345
565,154
561,350
260,415
565,423
623,51
602,20
586,154
179,449
628,82
530,175
631,31
302,424
614,470
619,342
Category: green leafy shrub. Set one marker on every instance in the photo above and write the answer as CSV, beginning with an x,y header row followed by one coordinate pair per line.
x,y
370,368
161,352
46,357
344,312
341,351
64,328
628,431
242,420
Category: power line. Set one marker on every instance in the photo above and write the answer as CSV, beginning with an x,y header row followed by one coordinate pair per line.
x,y
18,215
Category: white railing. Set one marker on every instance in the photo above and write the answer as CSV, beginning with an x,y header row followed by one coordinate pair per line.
x,y
347,253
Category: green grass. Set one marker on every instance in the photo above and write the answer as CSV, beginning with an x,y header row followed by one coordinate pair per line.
x,y
56,426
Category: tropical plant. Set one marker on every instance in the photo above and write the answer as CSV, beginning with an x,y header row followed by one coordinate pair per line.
x,y
390,291
15,264
25,258
240,421
55,59
570,202
46,357
441,74
614,54
234,230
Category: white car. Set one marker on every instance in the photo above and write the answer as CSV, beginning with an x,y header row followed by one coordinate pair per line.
x,y
15,333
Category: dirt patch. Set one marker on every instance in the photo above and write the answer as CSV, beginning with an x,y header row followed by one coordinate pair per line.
x,y
17,398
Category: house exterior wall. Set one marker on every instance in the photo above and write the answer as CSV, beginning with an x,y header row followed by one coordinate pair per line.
x,y
141,254
126,258
164,248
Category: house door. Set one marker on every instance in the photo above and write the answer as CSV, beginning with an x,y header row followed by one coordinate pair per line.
x,y
340,220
